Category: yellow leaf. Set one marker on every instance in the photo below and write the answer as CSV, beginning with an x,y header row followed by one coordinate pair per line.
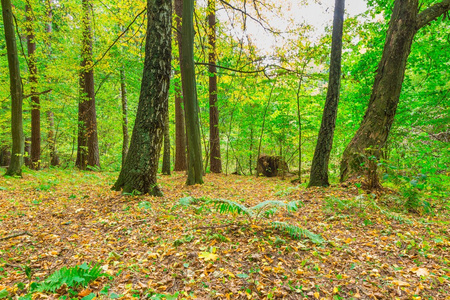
x,y
335,290
317,295
208,256
421,272
400,283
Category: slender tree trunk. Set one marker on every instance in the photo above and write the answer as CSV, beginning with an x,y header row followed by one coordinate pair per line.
x,y
126,136
180,133
263,126
166,150
195,164
214,139
87,152
374,129
35,155
319,168
180,130
18,141
51,135
141,164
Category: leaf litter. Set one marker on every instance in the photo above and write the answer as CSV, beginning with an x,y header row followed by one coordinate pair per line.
x,y
150,247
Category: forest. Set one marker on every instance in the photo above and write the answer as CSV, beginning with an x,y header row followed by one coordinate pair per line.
x,y
224,149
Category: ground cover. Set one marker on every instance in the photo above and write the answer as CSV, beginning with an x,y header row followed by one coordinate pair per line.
x,y
67,223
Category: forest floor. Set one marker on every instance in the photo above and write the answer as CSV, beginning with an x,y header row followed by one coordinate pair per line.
x,y
150,247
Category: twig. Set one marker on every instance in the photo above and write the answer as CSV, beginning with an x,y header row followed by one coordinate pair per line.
x,y
16,235
37,94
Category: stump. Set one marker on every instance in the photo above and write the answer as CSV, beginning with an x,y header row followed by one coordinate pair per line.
x,y
271,166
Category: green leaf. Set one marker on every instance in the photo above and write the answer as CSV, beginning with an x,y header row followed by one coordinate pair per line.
x,y
89,297
115,296
3,293
243,275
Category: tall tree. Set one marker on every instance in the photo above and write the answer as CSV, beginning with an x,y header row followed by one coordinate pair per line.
x,y
319,168
123,95
214,139
51,135
35,156
166,148
180,131
18,141
141,164
87,151
376,124
195,163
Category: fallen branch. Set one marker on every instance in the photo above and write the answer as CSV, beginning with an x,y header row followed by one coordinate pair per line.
x,y
15,235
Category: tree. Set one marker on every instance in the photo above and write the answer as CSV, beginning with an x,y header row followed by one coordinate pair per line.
x,y
214,139
141,164
180,133
319,168
87,152
35,156
18,141
166,150
123,95
195,164
51,135
374,129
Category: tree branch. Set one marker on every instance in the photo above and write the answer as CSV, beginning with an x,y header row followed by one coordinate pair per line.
x,y
37,94
432,13
15,235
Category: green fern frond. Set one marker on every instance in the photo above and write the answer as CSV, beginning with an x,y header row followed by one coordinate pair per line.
x,y
228,206
297,232
270,207
75,276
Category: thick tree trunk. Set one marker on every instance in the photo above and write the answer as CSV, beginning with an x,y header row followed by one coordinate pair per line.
x,y
51,135
141,164
180,130
18,141
126,136
319,168
35,155
166,150
373,132
214,139
87,152
195,163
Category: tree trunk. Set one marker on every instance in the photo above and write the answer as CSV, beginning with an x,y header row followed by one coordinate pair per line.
x,y
166,150
35,155
195,164
319,168
87,152
126,136
180,130
141,164
18,141
214,139
374,129
51,136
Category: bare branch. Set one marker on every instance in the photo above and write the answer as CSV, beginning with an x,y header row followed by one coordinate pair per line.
x,y
37,94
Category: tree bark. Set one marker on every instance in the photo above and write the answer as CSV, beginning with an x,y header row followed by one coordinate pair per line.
x,y
374,129
141,164
51,135
180,130
87,151
319,168
126,136
214,139
166,150
35,155
195,163
18,141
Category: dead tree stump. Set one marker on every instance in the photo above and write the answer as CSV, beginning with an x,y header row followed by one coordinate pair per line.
x,y
271,166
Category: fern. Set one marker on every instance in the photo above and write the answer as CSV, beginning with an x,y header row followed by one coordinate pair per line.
x,y
297,232
75,276
228,206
